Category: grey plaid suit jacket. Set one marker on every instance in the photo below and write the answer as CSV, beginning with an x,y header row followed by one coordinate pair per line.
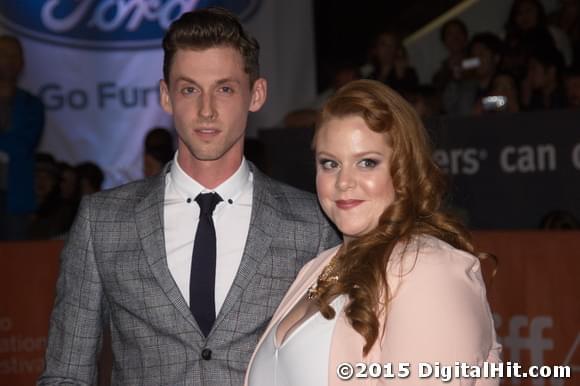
x,y
114,273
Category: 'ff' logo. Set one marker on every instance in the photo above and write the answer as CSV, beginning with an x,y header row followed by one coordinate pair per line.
x,y
535,343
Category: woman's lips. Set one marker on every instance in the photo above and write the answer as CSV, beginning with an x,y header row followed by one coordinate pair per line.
x,y
348,204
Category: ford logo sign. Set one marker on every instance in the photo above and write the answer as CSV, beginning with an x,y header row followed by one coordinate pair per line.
x,y
105,24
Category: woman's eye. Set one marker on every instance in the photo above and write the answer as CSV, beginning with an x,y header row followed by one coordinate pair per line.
x,y
328,164
368,163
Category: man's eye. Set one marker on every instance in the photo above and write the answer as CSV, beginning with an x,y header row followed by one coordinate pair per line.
x,y
226,89
328,164
187,90
368,163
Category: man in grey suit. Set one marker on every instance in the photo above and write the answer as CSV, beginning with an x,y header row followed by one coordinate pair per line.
x,y
136,255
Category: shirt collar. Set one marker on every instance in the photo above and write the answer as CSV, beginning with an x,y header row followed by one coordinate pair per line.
x,y
228,190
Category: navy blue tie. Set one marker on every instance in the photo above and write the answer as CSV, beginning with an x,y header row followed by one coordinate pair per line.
x,y
202,279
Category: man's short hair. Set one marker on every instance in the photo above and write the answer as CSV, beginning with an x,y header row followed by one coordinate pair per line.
x,y
208,28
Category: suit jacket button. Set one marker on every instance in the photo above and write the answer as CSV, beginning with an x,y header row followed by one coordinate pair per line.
x,y
206,354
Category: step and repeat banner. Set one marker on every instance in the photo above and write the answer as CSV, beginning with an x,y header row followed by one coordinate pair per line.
x,y
512,170
27,286
535,299
507,171
533,295
96,65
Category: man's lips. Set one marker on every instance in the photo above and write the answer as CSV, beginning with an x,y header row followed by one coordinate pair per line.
x,y
348,204
206,132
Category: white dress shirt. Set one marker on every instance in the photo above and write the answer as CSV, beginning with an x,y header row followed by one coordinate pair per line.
x,y
231,219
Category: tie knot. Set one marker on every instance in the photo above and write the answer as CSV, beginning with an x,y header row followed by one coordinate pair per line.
x,y
207,202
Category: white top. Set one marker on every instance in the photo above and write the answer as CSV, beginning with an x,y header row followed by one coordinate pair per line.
x,y
231,219
302,359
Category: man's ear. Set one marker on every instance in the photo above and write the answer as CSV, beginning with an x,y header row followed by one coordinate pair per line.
x,y
164,99
259,94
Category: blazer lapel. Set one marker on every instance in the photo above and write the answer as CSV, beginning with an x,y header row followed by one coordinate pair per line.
x,y
260,237
149,218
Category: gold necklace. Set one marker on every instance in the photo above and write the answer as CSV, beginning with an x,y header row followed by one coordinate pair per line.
x,y
328,274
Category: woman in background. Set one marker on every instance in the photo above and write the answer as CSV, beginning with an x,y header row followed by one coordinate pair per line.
x,y
390,63
455,37
404,286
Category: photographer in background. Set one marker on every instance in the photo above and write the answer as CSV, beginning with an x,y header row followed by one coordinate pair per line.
x,y
460,95
21,124
503,95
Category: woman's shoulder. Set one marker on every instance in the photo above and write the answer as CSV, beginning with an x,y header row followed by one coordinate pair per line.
x,y
428,251
437,309
428,259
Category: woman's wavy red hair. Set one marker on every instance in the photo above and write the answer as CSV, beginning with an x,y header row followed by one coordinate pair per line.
x,y
417,208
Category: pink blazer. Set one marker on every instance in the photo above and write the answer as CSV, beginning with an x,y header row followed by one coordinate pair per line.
x,y
438,312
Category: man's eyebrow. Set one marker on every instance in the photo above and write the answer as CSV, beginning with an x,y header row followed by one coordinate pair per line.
x,y
186,79
217,82
228,80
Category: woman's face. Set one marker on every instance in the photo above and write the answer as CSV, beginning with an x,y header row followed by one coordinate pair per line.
x,y
353,177
526,16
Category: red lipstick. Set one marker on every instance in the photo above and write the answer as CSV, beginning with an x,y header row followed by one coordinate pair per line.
x,y
347,204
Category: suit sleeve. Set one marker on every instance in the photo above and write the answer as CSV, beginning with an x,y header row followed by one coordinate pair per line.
x,y
74,339
439,313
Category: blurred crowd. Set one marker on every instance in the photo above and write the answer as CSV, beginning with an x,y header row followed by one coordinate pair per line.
x,y
40,195
59,186
534,65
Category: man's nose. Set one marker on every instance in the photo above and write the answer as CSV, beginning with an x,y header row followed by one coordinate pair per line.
x,y
207,107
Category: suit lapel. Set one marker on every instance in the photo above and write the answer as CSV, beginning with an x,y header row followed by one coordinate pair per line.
x,y
149,218
260,237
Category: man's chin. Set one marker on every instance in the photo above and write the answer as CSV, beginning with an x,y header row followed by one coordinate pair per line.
x,y
208,155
